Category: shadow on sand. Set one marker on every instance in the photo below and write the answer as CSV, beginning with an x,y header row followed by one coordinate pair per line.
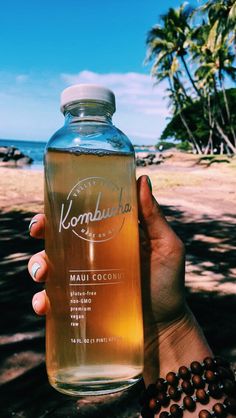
x,y
210,250
25,391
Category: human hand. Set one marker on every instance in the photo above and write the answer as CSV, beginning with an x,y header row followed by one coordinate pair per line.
x,y
172,335
162,262
166,315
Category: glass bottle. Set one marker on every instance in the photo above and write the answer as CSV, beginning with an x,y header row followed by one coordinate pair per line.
x,y
94,329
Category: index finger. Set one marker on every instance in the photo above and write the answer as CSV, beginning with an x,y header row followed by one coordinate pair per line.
x,y
37,226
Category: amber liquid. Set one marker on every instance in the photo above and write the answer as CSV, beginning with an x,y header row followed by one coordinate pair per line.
x,y
94,330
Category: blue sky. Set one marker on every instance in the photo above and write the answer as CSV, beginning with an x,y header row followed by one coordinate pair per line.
x,y
47,45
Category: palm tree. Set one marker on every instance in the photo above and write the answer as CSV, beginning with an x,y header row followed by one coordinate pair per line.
x,y
179,104
216,54
167,47
222,18
216,65
174,41
171,39
168,70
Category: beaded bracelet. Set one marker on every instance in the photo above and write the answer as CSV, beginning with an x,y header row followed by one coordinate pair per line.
x,y
211,378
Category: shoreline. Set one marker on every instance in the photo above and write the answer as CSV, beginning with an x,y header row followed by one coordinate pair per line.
x,y
179,180
31,167
22,152
38,166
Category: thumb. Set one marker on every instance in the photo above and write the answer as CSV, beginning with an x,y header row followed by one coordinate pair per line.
x,y
151,216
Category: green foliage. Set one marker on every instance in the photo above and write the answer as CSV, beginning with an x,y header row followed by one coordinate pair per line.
x,y
194,117
184,146
194,50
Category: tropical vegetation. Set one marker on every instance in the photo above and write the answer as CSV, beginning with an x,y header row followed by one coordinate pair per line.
x,y
194,51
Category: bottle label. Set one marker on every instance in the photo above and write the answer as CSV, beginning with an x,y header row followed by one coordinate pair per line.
x,y
94,210
85,287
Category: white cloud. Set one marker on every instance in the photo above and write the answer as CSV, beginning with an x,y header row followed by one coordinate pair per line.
x,y
34,101
141,107
131,89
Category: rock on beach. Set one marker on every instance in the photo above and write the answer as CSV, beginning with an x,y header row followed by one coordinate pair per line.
x,y
12,155
144,159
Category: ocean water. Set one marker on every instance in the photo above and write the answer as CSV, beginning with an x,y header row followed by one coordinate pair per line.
x,y
35,150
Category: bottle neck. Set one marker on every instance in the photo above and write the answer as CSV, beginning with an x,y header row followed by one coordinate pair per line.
x,y
88,111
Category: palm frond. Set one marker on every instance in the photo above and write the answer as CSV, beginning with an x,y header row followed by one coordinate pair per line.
x,y
212,38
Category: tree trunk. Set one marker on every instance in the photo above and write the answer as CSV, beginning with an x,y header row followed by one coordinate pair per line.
x,y
228,151
225,137
191,137
212,146
221,148
190,77
217,99
227,109
179,108
209,144
188,98
211,126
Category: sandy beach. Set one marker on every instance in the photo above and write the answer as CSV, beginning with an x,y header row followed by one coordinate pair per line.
x,y
200,203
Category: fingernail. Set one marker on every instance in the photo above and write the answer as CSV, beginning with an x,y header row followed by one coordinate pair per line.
x,y
35,267
149,183
32,222
35,304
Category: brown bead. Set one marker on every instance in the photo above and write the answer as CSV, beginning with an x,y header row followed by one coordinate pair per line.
x,y
164,414
154,405
151,391
187,387
196,367
161,385
219,361
219,410
189,403
215,391
176,411
202,396
228,386
172,378
225,373
230,403
184,373
174,393
198,381
163,399
147,413
209,363
204,414
210,376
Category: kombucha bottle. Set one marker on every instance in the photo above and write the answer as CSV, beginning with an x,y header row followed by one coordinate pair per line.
x,y
94,327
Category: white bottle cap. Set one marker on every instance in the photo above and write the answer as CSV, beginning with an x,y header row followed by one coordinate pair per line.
x,y
79,92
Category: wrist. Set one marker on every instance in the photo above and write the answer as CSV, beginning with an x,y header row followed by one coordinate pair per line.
x,y
173,345
179,341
